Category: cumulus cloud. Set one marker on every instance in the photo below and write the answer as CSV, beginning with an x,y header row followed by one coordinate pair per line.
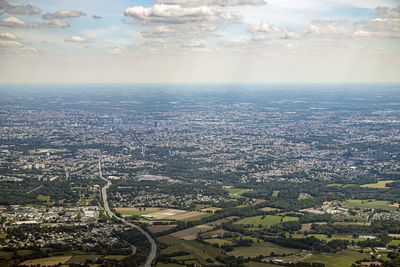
x,y
14,22
223,3
5,7
263,28
4,43
172,14
77,39
8,36
195,43
63,14
115,51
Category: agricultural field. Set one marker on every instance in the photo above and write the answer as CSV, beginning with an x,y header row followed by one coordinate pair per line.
x,y
115,257
214,233
370,204
236,192
191,233
268,209
259,264
47,150
260,248
210,209
394,243
379,184
201,252
218,241
50,261
137,211
344,258
188,215
78,259
335,236
307,226
161,228
266,221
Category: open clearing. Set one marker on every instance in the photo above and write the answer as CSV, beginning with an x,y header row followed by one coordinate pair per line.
x,y
50,261
266,221
335,236
344,258
307,226
236,192
369,204
136,211
199,251
187,215
268,209
260,248
379,184
210,209
191,233
214,233
46,150
161,228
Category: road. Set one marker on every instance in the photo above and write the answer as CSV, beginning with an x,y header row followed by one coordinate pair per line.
x,y
153,250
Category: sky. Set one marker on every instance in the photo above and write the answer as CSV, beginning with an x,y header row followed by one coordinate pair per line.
x,y
191,41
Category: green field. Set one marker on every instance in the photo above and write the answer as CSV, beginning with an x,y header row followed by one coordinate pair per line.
x,y
115,257
197,250
137,211
218,241
161,264
369,204
394,243
344,258
379,184
43,198
236,192
325,237
267,221
260,248
259,264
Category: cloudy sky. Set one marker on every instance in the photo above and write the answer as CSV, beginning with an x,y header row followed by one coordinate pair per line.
x,y
200,41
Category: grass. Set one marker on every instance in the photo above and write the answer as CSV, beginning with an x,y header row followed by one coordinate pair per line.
x,y
379,184
370,204
344,258
266,221
261,248
259,264
218,241
197,250
50,261
236,192
325,237
7,255
43,198
137,212
78,259
161,264
115,257
394,243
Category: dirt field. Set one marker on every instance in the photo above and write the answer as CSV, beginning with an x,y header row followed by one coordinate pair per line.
x,y
307,226
268,209
394,235
210,209
187,215
50,261
161,228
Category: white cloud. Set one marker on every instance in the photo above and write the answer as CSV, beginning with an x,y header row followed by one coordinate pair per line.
x,y
264,28
115,51
173,14
212,2
4,43
14,22
63,14
7,35
5,7
77,39
195,43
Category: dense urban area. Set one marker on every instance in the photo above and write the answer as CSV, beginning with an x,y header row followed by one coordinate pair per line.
x,y
200,175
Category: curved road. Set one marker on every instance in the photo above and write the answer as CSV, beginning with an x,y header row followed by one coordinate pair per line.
x,y
153,249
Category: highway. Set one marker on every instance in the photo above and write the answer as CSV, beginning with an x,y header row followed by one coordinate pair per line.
x,y
153,250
